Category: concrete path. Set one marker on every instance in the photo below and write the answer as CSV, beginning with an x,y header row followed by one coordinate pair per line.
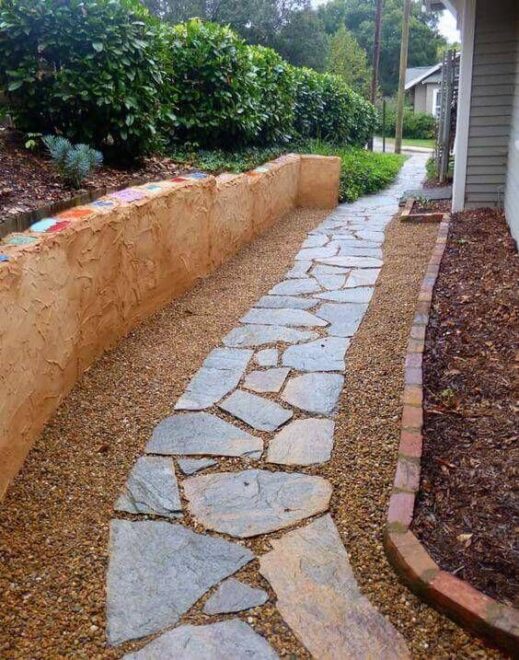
x,y
266,397
390,147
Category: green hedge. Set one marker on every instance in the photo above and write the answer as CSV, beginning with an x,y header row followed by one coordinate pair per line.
x,y
417,125
106,73
90,69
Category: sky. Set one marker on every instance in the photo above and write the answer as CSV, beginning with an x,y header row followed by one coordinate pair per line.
x,y
447,25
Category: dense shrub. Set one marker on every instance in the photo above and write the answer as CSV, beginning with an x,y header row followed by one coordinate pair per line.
x,y
217,96
86,68
327,108
417,125
275,79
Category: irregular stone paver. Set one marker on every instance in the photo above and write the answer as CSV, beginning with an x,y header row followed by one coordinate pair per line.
x,y
347,251
330,282
345,318
151,488
220,374
352,262
234,596
232,639
290,317
323,354
295,287
315,240
318,597
257,335
302,442
194,465
201,433
267,357
356,244
262,414
266,381
299,269
358,295
362,278
308,254
321,269
285,302
158,570
377,236
253,502
315,392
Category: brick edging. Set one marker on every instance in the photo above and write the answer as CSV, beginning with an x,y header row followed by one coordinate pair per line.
x,y
456,598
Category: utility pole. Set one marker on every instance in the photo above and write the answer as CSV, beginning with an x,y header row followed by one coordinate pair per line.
x,y
376,58
404,46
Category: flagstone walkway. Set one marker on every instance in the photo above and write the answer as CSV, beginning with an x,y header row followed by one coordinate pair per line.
x,y
267,397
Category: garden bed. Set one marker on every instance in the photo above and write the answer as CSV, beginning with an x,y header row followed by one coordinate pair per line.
x,y
467,511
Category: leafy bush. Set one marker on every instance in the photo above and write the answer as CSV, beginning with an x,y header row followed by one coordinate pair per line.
x,y
73,162
417,125
328,109
218,97
89,69
275,79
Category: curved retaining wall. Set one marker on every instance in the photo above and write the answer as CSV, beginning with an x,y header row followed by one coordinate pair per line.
x,y
73,285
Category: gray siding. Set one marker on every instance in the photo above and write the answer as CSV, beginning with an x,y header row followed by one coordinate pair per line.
x,y
492,101
512,180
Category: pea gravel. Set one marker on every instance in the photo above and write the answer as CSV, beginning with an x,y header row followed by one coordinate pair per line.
x,y
54,521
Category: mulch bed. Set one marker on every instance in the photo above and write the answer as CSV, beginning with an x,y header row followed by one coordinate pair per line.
x,y
29,180
468,509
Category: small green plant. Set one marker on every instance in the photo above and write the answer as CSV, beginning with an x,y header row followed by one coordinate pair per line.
x,y
74,162
33,141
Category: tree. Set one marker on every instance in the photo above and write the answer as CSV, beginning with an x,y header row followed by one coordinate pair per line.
x,y
348,60
303,40
359,17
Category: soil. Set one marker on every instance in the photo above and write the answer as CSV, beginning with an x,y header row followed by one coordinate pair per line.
x,y
431,206
28,180
468,509
54,521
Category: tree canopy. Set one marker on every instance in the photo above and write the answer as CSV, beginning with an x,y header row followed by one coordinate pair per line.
x,y
348,60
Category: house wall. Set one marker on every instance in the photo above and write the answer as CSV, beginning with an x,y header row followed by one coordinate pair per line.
x,y
420,98
492,101
512,181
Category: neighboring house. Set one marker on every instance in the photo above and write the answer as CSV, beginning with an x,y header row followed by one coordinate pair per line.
x,y
486,171
422,84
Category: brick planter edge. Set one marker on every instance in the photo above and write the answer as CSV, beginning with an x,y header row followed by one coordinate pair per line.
x,y
469,607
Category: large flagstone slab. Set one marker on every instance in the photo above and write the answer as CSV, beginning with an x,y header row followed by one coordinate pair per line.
x,y
234,596
348,251
257,335
295,287
232,639
314,392
315,241
308,254
323,354
344,318
151,488
270,380
285,302
299,269
366,277
288,317
193,465
220,374
253,502
192,434
262,414
267,357
302,442
318,596
352,262
361,294
327,280
157,571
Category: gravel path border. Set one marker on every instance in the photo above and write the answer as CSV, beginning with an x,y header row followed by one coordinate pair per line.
x,y
466,605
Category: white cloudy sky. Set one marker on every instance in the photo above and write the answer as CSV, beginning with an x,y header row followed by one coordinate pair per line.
x,y
447,24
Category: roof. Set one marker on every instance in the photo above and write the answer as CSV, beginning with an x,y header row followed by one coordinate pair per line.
x,y
419,74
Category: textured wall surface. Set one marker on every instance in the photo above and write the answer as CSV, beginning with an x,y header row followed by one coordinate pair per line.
x,y
73,285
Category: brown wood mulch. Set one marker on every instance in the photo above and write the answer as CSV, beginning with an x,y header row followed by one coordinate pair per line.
x,y
28,180
468,510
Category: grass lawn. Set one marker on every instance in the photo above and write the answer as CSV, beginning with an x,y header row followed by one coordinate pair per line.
x,y
362,171
416,142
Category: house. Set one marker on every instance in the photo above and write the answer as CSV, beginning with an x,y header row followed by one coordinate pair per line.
x,y
422,85
486,171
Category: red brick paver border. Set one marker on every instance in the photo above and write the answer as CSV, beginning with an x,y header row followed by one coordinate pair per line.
x,y
457,599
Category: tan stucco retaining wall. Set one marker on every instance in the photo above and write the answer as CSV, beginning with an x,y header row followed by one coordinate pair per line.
x,y
73,293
